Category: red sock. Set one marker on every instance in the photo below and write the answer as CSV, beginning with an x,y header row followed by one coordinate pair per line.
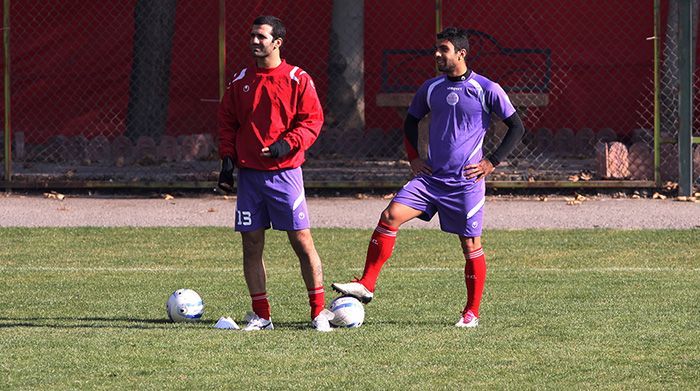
x,y
317,300
261,306
474,277
379,250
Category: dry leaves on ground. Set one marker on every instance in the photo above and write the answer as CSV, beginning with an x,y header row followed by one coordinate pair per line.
x,y
577,200
53,195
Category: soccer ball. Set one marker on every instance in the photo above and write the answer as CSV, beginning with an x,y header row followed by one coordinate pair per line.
x,y
184,305
349,312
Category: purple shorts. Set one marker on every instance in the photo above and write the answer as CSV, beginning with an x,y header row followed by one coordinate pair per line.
x,y
271,198
461,207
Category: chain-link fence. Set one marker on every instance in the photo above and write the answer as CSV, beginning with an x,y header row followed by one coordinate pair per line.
x,y
125,93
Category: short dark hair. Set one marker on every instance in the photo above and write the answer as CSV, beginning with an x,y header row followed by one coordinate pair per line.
x,y
278,30
459,37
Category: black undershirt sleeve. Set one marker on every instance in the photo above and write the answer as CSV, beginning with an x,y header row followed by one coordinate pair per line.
x,y
510,140
410,129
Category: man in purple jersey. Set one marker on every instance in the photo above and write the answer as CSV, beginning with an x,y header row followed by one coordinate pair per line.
x,y
450,180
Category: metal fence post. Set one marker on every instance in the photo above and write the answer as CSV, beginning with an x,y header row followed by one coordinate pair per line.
x,y
7,96
685,101
657,94
222,48
438,24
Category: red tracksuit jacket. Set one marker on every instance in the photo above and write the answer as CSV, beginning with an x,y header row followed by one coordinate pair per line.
x,y
261,106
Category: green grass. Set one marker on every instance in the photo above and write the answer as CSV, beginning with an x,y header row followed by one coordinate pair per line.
x,y
605,309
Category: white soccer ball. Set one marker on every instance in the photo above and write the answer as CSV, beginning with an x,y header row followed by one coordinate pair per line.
x,y
349,312
185,305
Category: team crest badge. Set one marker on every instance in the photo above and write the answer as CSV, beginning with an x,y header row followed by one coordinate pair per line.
x,y
452,98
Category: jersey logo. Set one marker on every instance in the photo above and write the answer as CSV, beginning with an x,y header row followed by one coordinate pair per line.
x,y
237,76
452,98
246,88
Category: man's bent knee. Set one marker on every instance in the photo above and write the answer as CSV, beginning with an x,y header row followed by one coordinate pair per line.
x,y
396,214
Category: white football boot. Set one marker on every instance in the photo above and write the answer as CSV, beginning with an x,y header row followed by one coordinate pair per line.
x,y
256,323
354,289
468,320
322,321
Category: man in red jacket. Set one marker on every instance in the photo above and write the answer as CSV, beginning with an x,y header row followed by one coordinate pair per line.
x,y
269,116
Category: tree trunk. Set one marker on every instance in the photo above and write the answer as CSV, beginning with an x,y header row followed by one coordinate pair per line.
x,y
346,92
147,113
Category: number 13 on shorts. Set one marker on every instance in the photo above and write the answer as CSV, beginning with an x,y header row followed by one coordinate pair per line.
x,y
243,218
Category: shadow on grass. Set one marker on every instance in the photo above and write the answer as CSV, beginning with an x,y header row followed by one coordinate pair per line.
x,y
135,323
119,322
83,322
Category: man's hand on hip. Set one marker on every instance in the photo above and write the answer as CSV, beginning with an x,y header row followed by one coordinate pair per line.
x,y
479,170
420,167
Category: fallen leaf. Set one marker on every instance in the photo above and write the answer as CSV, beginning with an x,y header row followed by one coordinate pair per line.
x,y
658,196
682,198
210,210
168,197
573,202
388,196
543,198
585,176
361,196
54,196
573,178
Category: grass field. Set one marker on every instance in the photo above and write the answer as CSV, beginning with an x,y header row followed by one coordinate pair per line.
x,y
585,309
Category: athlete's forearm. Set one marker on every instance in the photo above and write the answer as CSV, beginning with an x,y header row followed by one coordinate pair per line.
x,y
510,140
308,120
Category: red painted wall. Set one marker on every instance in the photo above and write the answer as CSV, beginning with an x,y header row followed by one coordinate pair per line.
x,y
601,60
71,59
